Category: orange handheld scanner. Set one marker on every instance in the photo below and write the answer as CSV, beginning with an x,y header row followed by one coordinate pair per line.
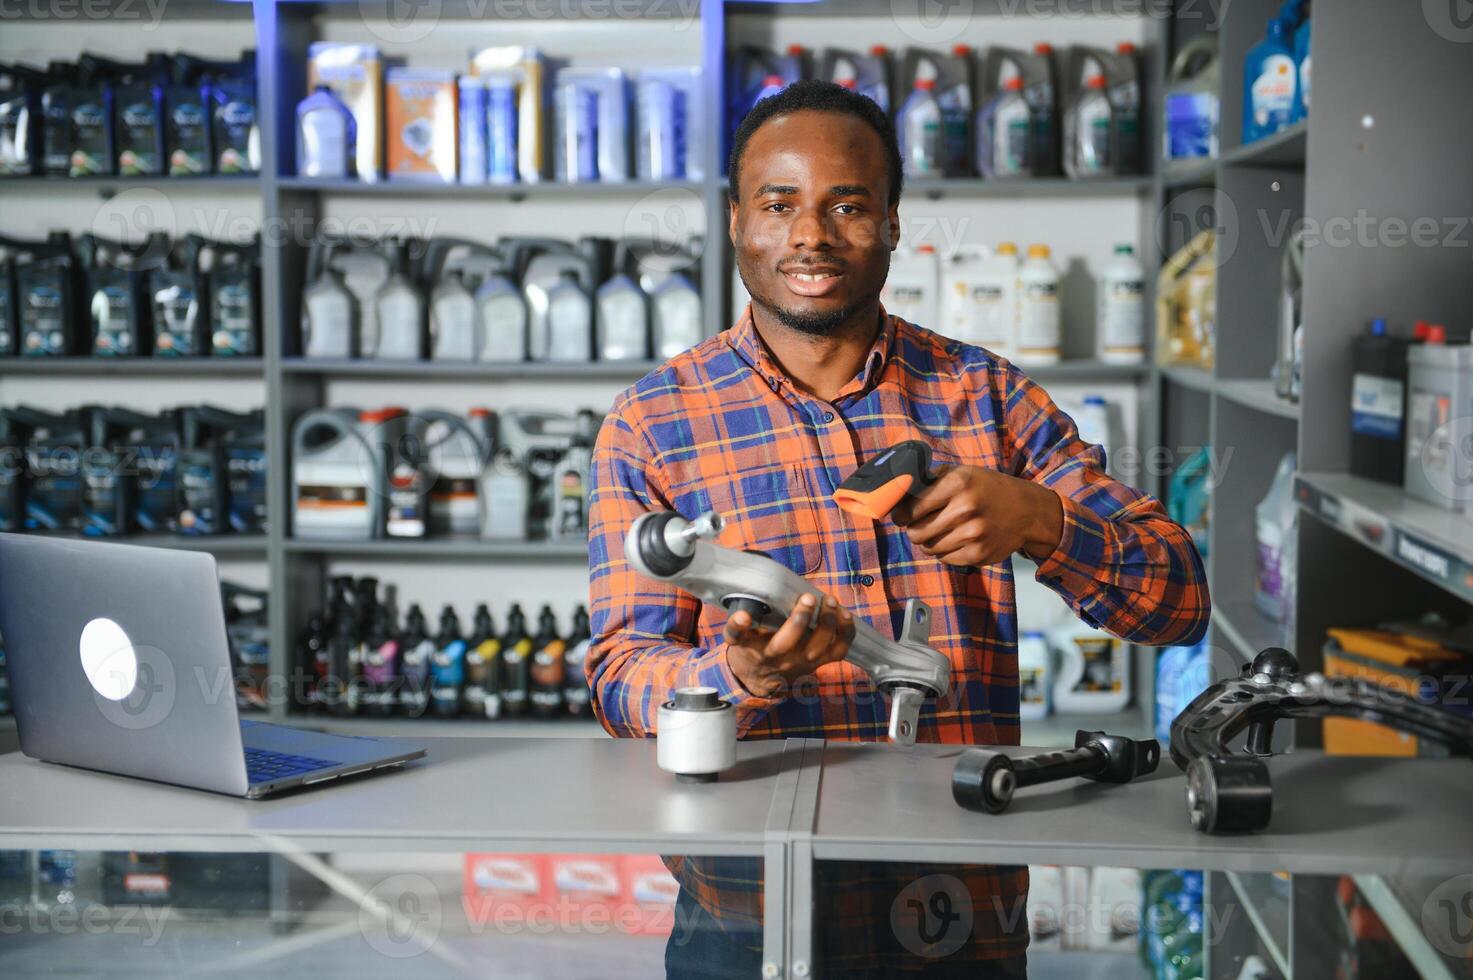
x,y
873,490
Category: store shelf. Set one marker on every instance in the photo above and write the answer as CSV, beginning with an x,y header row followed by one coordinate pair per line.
x,y
1248,630
209,182
1268,911
1283,149
1057,730
1435,543
444,549
1188,377
1084,369
232,545
1257,394
454,727
1402,916
213,367
973,187
1179,174
500,192
484,370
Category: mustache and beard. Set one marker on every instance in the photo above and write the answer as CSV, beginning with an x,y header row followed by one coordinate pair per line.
x,y
814,323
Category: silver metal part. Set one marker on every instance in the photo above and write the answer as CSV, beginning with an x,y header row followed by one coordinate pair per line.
x,y
706,527
715,574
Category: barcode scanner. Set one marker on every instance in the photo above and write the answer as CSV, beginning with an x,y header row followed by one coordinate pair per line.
x,y
873,490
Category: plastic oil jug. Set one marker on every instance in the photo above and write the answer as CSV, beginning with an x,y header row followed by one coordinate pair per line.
x,y
176,293
1094,675
329,309
569,484
153,442
233,281
399,305
1038,309
1035,677
107,486
921,145
327,136
569,320
622,314
1191,102
676,312
502,310
114,274
338,477
1004,129
961,299
1270,78
505,496
1089,132
458,450
456,268
53,466
543,272
45,291
911,290
1120,324
364,271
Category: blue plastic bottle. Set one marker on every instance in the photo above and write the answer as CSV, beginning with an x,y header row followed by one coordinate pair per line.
x,y
1270,80
1301,58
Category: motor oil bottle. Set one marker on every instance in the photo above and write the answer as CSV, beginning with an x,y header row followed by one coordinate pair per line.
x,y
505,497
516,661
107,482
575,653
1270,78
381,665
1191,101
539,439
58,95
233,284
398,438
54,463
418,650
222,471
399,306
503,316
921,147
912,289
186,119
14,476
622,320
546,671
1005,133
329,308
93,138
1378,397
482,668
364,272
338,477
458,451
9,325
1094,674
545,262
248,634
447,666
46,299
327,136
312,661
1038,309
456,268
114,276
1034,677
676,315
178,303
1120,324
153,444
1090,132
235,130
20,120
569,484
569,321
138,104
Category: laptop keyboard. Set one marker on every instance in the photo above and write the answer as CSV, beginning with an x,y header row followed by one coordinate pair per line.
x,y
265,766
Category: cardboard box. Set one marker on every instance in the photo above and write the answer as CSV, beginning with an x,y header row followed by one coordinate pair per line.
x,y
504,888
1401,663
421,114
355,73
649,893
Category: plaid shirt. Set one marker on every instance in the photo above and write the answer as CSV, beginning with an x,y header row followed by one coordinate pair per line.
x,y
720,427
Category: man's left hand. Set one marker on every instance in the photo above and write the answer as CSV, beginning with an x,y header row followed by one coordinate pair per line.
x,y
975,516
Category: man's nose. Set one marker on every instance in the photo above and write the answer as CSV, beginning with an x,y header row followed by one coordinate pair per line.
x,y
811,230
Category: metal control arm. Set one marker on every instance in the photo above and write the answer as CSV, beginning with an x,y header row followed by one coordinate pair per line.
x,y
1229,790
666,546
985,779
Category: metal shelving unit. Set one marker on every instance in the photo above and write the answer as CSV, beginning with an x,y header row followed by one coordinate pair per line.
x,y
137,367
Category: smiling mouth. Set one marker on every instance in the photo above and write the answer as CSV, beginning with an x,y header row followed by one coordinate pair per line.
x,y
811,282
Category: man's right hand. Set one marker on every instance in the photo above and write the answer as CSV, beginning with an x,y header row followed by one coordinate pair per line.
x,y
768,661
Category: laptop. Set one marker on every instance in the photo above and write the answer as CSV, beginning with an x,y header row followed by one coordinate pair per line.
x,y
119,662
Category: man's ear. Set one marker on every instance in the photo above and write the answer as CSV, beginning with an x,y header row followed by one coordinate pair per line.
x,y
892,220
731,221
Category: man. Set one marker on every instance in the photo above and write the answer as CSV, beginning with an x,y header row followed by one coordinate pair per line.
x,y
762,423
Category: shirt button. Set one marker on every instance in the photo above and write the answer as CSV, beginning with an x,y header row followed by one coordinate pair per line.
x,y
828,416
866,580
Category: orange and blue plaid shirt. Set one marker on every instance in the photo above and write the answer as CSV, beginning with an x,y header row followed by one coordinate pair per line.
x,y
720,427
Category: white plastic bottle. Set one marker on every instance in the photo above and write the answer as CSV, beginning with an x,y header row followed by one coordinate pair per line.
x,y
1094,674
911,289
1093,422
920,131
1038,309
1273,516
1120,326
1035,677
960,274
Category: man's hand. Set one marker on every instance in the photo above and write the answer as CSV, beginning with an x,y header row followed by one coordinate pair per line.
x,y
766,661
974,516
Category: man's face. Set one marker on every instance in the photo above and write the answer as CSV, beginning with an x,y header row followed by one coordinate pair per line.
x,y
812,228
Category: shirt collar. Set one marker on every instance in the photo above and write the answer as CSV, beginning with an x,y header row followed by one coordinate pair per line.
x,y
747,342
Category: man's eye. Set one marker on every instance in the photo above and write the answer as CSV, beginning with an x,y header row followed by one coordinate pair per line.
x,y
847,208
775,205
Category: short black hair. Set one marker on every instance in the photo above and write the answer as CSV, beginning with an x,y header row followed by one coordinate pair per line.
x,y
817,96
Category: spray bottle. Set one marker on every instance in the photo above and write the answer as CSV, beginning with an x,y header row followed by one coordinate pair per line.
x,y
546,671
447,666
575,680
482,668
516,660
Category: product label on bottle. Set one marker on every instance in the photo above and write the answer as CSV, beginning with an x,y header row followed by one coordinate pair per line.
x,y
1428,447
1304,74
1122,318
1031,686
547,675
1376,406
1038,327
515,658
1273,93
1100,669
1268,580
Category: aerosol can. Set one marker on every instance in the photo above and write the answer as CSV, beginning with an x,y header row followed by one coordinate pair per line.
x,y
400,309
447,666
364,271
482,661
329,308
114,276
575,680
418,650
622,317
456,268
458,452
380,664
502,309
177,302
546,672
569,485
233,281
676,315
516,660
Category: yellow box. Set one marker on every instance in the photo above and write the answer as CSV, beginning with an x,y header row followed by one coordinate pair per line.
x,y
1392,660
420,125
